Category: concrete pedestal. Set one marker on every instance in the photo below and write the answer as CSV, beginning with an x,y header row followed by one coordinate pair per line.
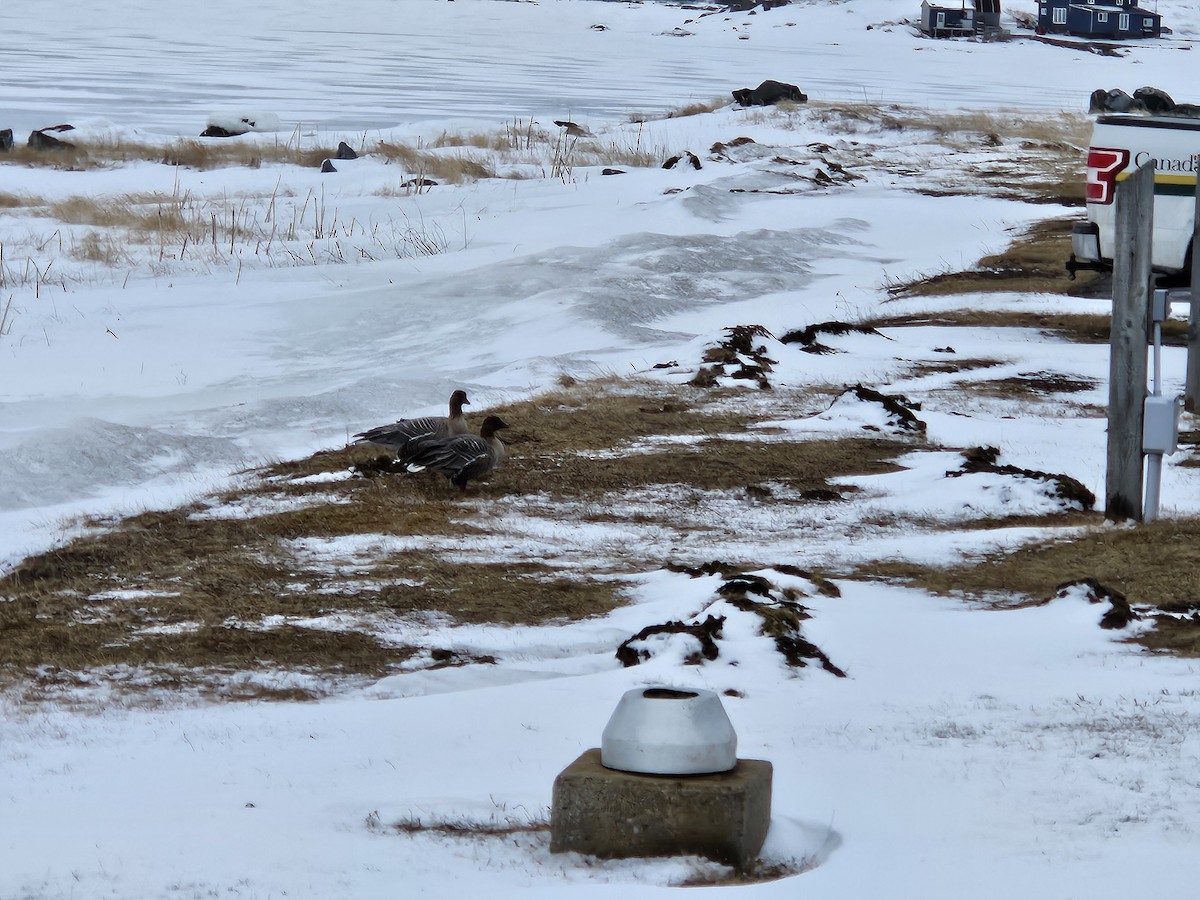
x,y
609,813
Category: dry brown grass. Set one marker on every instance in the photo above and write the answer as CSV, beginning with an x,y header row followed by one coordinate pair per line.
x,y
446,168
1004,153
1034,261
273,229
1077,327
212,594
1156,565
950,365
968,128
202,153
698,108
1032,385
17,201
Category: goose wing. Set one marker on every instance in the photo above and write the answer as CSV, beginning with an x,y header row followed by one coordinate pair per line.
x,y
459,458
400,433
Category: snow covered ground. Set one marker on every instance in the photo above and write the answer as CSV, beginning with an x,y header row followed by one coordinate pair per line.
x,y
970,752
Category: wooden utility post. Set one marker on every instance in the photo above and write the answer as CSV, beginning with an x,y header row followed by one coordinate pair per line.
x,y
1130,337
1191,393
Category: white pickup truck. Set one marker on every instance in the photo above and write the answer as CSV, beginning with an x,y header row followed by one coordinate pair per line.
x,y
1122,144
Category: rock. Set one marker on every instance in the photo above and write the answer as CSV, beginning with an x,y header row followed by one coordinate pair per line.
x,y
39,140
985,459
6,140
233,124
218,131
1119,613
419,183
612,171
345,151
1155,101
1115,100
769,93
686,156
327,167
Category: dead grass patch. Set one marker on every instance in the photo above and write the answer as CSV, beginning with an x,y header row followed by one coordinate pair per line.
x,y
697,108
1033,385
1034,262
448,168
950,366
211,593
714,464
603,414
462,828
268,230
1155,565
190,153
1075,327
17,201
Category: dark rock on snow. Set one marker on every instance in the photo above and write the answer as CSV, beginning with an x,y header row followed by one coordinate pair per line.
x,y
6,140
686,156
1149,100
1154,101
40,140
769,93
345,151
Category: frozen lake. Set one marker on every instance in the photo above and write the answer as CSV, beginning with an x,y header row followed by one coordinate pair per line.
x,y
378,63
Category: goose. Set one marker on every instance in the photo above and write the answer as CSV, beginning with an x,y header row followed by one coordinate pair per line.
x,y
399,434
461,457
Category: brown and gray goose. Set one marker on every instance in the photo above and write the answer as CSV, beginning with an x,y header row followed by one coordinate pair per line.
x,y
461,458
400,434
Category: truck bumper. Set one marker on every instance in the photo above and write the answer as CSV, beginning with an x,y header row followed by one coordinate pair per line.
x,y
1085,249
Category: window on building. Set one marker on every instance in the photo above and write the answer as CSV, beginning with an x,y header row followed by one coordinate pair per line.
x,y
1060,15
1147,24
1123,21
1102,17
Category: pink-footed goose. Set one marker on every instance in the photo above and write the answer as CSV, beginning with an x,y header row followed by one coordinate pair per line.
x,y
400,434
461,458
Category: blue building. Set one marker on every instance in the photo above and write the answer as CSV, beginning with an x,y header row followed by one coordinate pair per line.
x,y
1088,18
961,19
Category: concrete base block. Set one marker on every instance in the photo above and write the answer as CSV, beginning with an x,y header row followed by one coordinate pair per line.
x,y
609,813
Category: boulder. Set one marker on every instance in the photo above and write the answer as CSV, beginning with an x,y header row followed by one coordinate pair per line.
x,y
687,156
345,151
232,124
769,93
1155,101
1115,100
39,140
6,140
327,167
